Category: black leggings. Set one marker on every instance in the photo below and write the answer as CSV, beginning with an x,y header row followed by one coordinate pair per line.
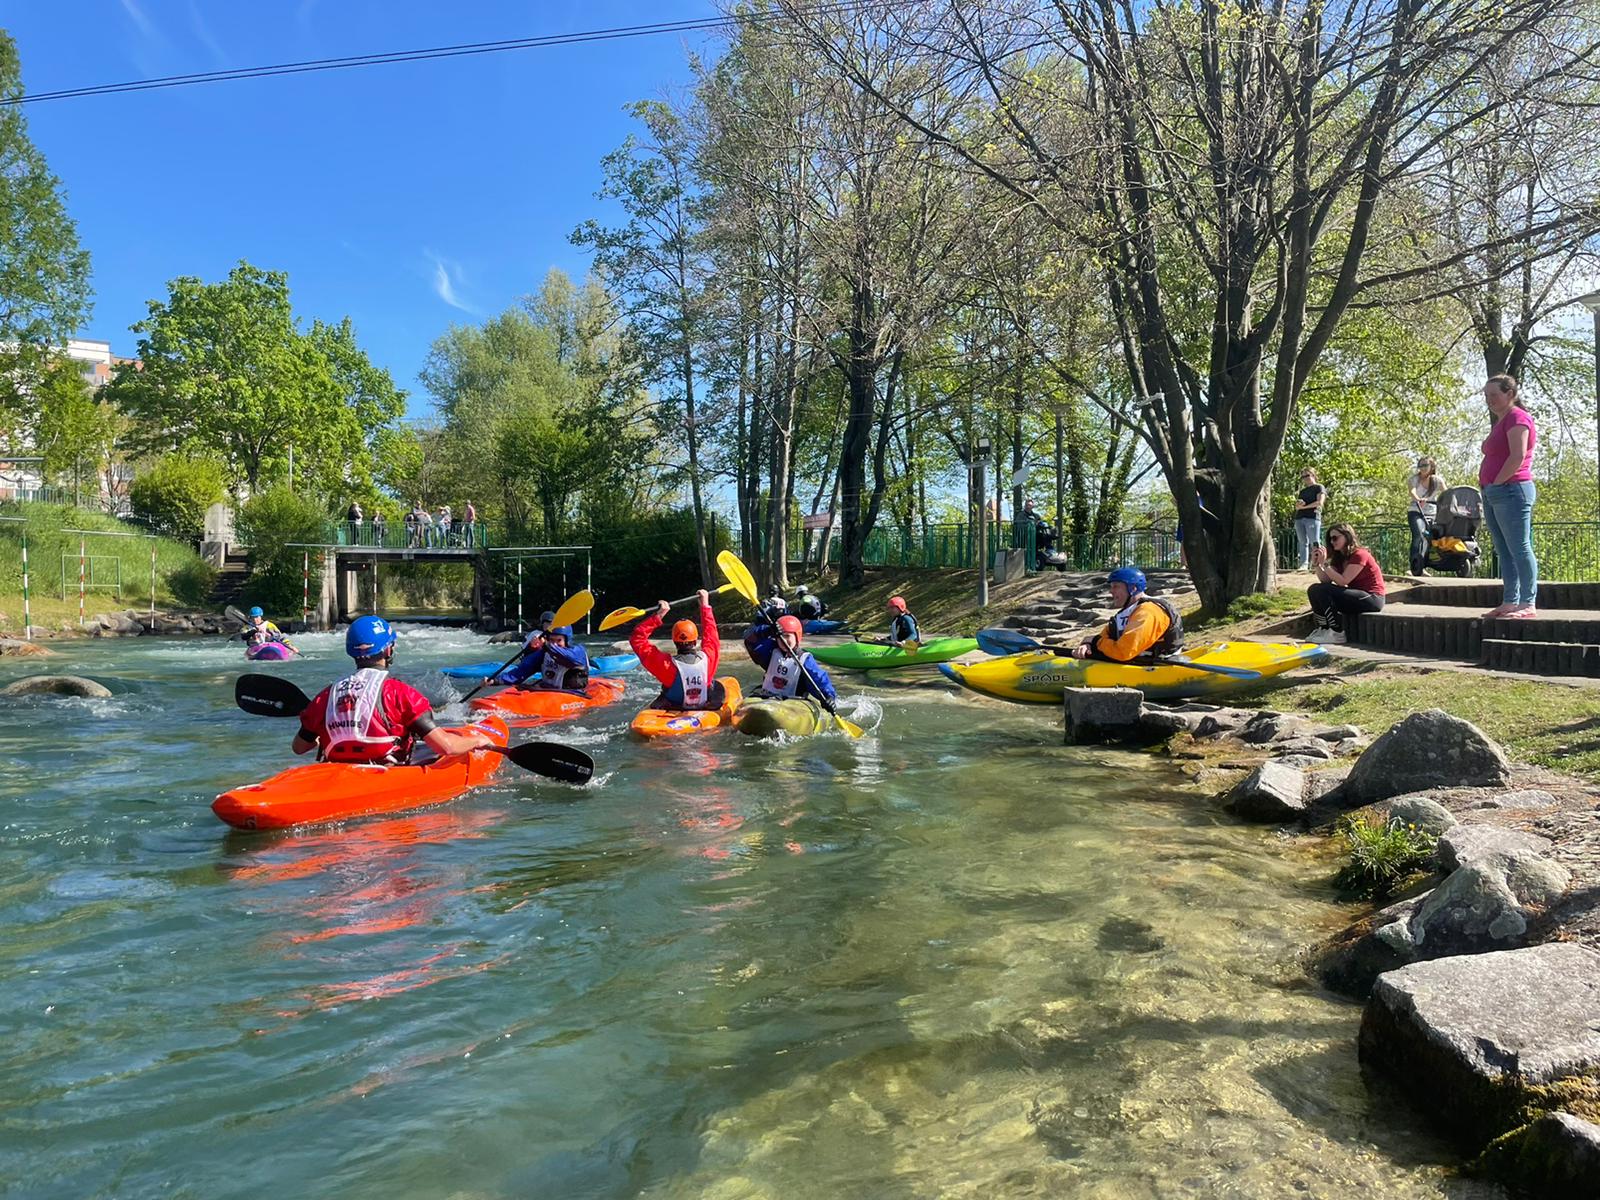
x,y
1336,598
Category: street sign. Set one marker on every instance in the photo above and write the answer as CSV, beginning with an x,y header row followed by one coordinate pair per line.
x,y
821,520
1020,475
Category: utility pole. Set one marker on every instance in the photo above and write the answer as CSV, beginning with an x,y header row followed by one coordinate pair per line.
x,y
978,465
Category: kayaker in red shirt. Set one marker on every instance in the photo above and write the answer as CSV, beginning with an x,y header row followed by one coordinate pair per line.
x,y
688,678
369,717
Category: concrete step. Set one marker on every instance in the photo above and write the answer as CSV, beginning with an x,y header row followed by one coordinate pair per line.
x,y
1541,658
1486,594
1446,631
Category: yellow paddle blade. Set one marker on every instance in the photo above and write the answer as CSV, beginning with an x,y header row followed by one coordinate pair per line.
x,y
850,727
619,616
574,610
738,575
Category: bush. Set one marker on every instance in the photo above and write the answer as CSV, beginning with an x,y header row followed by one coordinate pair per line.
x,y
1383,855
191,583
172,497
269,523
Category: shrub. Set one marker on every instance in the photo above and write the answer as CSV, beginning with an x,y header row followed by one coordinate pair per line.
x,y
191,583
269,523
1383,855
172,497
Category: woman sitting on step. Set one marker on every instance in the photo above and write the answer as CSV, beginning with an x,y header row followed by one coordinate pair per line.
x,y
1349,580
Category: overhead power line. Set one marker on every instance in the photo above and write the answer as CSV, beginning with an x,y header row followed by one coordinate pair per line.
x,y
432,52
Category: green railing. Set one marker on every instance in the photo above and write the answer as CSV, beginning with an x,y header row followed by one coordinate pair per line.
x,y
1568,551
955,546
396,535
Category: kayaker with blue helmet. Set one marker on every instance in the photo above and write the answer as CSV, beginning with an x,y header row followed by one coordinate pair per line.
x,y
370,717
258,630
562,665
1144,628
790,671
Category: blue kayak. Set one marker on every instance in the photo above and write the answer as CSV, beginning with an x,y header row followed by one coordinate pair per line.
x,y
604,664
825,626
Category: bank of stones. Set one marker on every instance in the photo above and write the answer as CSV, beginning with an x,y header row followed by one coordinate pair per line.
x,y
1482,985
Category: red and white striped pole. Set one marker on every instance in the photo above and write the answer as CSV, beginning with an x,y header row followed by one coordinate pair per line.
x,y
27,606
305,590
80,581
152,581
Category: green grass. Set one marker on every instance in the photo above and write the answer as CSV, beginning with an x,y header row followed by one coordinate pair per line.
x,y
182,577
1542,723
1384,855
944,600
1282,602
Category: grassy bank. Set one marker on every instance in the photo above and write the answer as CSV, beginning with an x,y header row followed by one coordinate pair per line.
x,y
945,601
182,578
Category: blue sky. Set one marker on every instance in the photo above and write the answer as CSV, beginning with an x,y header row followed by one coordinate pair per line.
x,y
407,197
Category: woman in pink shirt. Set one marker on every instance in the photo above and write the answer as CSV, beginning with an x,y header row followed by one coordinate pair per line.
x,y
1508,495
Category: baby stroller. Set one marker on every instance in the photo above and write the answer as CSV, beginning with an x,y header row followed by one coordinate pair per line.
x,y
1453,544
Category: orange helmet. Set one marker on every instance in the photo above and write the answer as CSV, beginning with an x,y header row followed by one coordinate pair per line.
x,y
685,633
791,625
898,603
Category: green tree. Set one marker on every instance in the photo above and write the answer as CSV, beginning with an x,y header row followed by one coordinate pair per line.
x,y
270,523
174,494
72,430
44,273
225,371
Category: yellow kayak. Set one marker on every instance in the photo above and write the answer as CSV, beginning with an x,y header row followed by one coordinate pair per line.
x,y
1040,676
762,717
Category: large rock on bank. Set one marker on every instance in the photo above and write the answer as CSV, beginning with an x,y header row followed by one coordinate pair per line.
x,y
1102,714
1273,792
20,647
1557,1157
1427,750
59,685
1481,1045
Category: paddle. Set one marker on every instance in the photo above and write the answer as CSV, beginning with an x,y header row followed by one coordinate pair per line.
x,y
270,696
570,613
744,583
1003,642
621,616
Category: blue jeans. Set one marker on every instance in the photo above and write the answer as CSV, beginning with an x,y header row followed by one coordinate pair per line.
x,y
1307,533
1509,509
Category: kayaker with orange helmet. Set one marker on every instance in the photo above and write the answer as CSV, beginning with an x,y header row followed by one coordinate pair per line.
x,y
369,717
903,626
790,671
689,677
1144,629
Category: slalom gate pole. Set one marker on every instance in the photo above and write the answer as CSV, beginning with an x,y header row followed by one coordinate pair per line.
x,y
27,605
305,589
80,581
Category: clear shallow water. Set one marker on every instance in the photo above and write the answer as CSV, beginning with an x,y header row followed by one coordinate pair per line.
x,y
953,959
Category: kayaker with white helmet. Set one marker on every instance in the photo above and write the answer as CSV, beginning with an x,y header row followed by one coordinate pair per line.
x,y
1144,628
807,605
370,717
903,629
791,673
687,677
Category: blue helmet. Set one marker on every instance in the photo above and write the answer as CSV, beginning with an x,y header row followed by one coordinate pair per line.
x,y
1131,576
256,612
546,619
368,637
564,631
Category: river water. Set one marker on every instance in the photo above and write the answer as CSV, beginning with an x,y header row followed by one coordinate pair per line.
x,y
954,958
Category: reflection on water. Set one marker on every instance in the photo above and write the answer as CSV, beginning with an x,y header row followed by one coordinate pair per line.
x,y
952,959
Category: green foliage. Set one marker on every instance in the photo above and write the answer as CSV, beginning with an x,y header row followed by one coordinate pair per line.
x,y
1383,855
71,428
269,523
179,570
1245,608
44,274
225,370
173,495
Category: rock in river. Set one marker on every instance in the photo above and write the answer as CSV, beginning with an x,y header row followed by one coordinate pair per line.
x,y
59,685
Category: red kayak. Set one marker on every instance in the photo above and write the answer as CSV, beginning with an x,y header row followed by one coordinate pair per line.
x,y
328,791
536,705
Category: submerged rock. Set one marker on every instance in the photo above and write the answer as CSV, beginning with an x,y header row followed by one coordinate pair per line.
x,y
1428,749
60,685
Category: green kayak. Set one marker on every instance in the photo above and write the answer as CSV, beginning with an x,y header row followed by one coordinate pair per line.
x,y
768,718
869,656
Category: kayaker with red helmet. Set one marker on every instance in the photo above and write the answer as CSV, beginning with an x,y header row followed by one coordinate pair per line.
x,y
1144,628
903,626
369,717
688,677
790,671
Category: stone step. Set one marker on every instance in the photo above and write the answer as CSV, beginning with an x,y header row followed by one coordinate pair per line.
x,y
1541,658
1487,593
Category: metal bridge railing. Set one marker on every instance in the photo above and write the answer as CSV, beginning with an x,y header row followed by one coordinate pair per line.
x,y
397,535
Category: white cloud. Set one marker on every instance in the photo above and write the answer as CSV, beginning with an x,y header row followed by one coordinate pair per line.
x,y
137,15
446,275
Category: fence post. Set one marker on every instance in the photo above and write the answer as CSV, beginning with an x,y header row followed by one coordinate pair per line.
x,y
27,605
80,581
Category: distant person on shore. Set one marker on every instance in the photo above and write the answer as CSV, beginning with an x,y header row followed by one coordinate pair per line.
x,y
1349,581
1308,515
424,527
1506,478
1144,628
1426,488
689,677
443,522
354,516
368,717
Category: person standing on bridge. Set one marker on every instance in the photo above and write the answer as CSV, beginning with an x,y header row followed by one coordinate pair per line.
x,y
470,516
444,524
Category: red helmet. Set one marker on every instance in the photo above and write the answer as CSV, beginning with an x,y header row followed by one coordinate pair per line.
x,y
685,633
791,625
898,603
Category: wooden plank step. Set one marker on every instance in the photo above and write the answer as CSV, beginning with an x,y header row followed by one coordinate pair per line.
x,y
1541,658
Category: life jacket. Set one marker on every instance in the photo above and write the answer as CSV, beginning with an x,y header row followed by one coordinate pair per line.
x,y
903,628
692,688
785,675
356,725
1170,643
561,677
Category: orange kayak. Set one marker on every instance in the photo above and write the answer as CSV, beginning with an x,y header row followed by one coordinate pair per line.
x,y
675,722
328,791
538,705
